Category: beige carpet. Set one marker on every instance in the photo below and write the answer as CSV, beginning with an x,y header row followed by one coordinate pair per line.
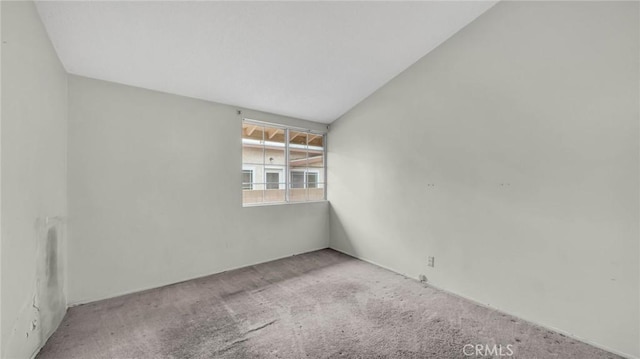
x,y
317,305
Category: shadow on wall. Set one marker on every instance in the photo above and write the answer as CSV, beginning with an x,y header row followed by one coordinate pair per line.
x,y
340,239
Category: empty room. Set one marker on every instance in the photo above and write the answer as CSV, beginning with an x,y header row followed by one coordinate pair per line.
x,y
319,179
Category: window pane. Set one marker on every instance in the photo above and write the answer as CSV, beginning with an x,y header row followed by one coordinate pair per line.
x,y
298,194
256,195
297,138
251,131
312,180
317,193
252,154
297,179
274,157
274,146
297,165
273,180
316,151
252,144
297,148
275,177
315,140
316,167
276,193
315,160
247,179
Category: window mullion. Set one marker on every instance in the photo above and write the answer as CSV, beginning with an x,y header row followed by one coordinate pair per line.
x,y
306,170
264,165
324,166
286,166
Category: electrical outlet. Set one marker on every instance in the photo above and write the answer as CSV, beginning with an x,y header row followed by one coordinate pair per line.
x,y
431,262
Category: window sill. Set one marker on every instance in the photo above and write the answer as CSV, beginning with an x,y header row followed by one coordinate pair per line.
x,y
279,203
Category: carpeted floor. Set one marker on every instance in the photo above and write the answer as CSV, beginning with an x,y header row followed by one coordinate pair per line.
x,y
317,305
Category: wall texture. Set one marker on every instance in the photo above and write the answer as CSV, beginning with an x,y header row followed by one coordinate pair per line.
x,y
155,193
34,198
510,153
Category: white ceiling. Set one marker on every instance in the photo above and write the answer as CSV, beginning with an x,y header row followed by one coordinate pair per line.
x,y
310,60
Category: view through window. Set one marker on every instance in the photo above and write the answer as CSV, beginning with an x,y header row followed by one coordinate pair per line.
x,y
281,164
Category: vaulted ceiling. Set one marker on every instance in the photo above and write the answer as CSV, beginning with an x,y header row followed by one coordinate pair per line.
x,y
312,60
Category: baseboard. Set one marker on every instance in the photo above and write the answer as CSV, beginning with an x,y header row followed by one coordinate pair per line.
x,y
557,330
144,289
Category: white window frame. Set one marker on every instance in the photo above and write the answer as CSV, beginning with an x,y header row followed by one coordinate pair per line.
x,y
322,180
306,178
253,176
280,171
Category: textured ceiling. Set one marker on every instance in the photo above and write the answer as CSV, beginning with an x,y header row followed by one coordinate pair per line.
x,y
311,60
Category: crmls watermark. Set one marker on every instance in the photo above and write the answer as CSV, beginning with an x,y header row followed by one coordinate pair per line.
x,y
487,350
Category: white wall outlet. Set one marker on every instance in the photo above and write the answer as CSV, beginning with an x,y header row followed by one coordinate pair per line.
x,y
431,262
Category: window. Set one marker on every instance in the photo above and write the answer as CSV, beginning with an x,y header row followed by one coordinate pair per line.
x,y
273,180
281,164
302,179
247,179
297,179
312,180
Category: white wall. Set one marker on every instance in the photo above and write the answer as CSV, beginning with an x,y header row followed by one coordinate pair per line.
x,y
526,124
34,204
155,193
1,336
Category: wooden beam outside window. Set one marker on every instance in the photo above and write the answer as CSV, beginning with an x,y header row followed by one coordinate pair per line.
x,y
251,130
272,134
313,137
294,135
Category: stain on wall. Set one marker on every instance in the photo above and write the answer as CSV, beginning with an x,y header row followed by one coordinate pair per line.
x,y
50,299
42,313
